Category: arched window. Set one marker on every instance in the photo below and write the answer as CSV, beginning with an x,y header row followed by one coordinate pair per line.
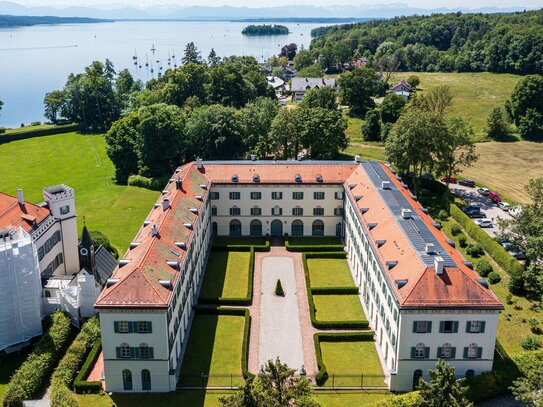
x,y
256,228
420,350
125,350
297,228
235,227
417,375
472,350
256,211
145,379
144,351
470,373
317,229
445,351
127,379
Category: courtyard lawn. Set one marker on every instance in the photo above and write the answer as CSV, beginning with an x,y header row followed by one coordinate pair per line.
x,y
241,240
347,361
350,398
214,349
8,365
329,273
227,275
81,162
338,308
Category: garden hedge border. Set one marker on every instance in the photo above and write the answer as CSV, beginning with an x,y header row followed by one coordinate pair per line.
x,y
507,262
322,374
22,135
250,282
312,248
334,290
242,247
244,312
31,376
355,324
81,385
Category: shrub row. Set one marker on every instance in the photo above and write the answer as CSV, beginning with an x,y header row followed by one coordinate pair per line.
x,y
493,248
245,346
334,290
236,301
81,385
322,374
357,324
328,255
66,370
29,379
22,135
154,184
220,243
312,248
403,400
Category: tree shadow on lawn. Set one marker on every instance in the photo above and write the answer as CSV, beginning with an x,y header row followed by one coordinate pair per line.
x,y
215,274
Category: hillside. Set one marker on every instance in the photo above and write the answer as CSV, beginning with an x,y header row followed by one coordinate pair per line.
x,y
7,21
503,43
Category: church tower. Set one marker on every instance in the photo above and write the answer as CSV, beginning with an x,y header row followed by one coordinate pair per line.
x,y
86,252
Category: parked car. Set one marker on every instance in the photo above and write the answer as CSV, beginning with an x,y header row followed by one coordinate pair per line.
x,y
467,183
484,191
494,197
484,223
470,208
476,214
504,206
506,244
451,179
516,251
427,176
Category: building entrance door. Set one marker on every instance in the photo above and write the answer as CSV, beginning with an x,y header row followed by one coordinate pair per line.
x,y
277,228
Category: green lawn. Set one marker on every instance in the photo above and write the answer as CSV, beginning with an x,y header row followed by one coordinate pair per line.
x,y
347,361
28,128
214,348
355,398
8,366
79,161
338,308
329,273
242,240
227,275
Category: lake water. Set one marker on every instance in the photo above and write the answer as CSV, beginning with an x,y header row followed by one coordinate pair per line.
x,y
35,60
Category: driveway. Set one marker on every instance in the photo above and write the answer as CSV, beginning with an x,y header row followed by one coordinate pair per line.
x,y
491,211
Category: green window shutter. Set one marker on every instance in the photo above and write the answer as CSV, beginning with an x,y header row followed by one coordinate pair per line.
x,y
136,352
455,326
465,353
132,352
482,327
118,351
438,352
479,352
151,353
426,353
414,326
150,327
412,352
429,326
468,326
441,326
453,353
116,327
131,326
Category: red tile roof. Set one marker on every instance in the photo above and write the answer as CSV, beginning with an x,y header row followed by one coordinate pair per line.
x,y
139,285
13,214
400,83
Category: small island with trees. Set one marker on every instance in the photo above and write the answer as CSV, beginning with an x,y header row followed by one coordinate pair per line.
x,y
265,29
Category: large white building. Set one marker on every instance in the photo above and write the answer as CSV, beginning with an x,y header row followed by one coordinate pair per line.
x,y
422,299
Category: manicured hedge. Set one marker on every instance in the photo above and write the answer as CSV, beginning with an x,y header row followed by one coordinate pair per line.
x,y
491,247
322,374
403,400
312,248
21,135
242,300
30,378
221,243
327,255
244,312
334,290
81,385
66,370
357,324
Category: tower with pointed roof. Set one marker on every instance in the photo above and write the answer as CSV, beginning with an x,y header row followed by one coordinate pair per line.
x,y
86,251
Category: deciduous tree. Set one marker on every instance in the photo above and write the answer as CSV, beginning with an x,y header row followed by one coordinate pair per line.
x,y
528,94
356,89
371,128
257,118
392,108
54,103
324,97
497,127
529,387
443,390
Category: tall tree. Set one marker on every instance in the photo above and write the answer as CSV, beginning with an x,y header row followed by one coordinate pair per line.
x,y
324,97
497,127
528,94
387,66
289,51
392,108
356,89
277,386
125,83
212,58
1,104
285,138
257,118
528,388
322,131
438,100
121,141
191,54
303,59
443,390
371,128
54,103
531,125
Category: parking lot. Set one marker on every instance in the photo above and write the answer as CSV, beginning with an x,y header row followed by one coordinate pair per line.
x,y
491,211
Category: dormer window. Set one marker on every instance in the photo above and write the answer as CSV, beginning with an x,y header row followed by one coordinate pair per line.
x,y
256,178
235,178
298,178
318,178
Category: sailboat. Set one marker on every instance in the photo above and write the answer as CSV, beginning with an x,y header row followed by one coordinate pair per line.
x,y
146,61
135,56
153,49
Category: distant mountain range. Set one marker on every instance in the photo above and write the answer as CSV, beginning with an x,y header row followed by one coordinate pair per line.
x,y
174,12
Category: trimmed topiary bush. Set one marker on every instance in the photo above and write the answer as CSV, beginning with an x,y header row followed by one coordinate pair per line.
x,y
530,343
462,241
484,268
494,278
456,230
442,215
475,250
279,289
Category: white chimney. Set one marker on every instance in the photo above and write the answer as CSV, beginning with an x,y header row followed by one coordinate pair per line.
x,y
154,230
253,157
407,213
438,264
199,163
166,203
357,158
20,197
385,185
430,248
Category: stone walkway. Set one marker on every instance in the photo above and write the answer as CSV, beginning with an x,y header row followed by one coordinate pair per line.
x,y
97,372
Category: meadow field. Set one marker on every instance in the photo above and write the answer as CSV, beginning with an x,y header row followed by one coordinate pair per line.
x,y
81,162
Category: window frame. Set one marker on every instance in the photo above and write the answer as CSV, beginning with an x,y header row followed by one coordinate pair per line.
x,y
297,195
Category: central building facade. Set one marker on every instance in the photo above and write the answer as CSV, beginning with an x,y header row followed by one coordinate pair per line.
x,y
423,300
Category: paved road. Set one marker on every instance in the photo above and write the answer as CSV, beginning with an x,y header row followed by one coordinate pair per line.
x,y
491,211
